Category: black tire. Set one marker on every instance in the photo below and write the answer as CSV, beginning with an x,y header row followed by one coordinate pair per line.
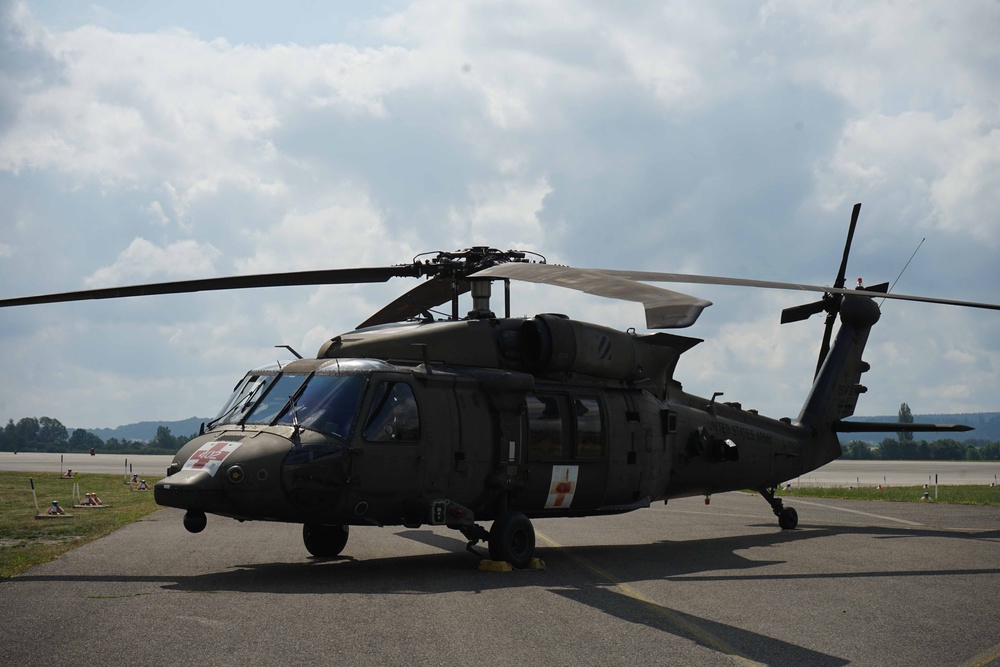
x,y
325,541
512,539
788,518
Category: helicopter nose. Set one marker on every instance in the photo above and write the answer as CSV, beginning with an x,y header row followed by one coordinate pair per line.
x,y
262,475
192,490
232,475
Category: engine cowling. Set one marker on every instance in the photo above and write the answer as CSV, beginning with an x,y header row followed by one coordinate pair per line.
x,y
552,343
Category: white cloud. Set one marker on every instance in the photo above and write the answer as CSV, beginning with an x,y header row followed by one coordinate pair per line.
x,y
348,231
504,212
951,168
142,260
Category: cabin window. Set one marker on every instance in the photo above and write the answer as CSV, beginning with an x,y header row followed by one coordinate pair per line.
x,y
393,416
589,428
545,427
558,431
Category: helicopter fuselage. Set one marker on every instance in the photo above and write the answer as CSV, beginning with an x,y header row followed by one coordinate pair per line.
x,y
561,418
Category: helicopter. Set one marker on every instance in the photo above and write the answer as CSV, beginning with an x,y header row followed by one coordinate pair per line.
x,y
412,419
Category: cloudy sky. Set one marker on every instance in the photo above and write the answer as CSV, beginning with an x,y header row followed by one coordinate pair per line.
x,y
151,141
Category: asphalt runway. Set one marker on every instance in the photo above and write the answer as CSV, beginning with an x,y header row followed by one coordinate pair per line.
x,y
857,583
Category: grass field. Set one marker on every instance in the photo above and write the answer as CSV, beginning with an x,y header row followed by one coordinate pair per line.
x,y
970,494
26,541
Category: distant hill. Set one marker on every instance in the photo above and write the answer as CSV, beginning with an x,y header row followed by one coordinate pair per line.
x,y
986,425
146,431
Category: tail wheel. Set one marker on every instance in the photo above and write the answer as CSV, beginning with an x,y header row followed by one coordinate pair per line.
x,y
788,518
512,539
324,541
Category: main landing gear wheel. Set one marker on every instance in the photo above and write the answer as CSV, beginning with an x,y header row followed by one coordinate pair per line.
x,y
512,539
324,541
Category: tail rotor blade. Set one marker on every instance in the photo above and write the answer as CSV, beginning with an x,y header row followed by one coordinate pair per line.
x,y
803,312
837,299
847,246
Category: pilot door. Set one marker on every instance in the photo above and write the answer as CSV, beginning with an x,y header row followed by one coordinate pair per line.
x,y
386,465
565,454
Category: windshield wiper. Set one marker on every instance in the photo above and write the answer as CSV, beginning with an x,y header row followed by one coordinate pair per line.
x,y
247,405
290,405
240,405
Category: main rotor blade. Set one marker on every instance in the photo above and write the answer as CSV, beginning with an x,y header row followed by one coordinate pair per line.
x,y
287,279
653,276
420,299
665,309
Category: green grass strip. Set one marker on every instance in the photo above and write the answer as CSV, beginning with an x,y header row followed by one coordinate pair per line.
x,y
961,494
26,541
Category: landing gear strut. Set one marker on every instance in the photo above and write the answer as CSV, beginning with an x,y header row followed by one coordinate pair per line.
x,y
788,518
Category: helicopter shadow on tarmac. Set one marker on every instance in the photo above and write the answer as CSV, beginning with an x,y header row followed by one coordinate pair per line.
x,y
454,570
568,575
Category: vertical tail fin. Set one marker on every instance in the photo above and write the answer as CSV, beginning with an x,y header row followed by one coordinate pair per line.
x,y
836,388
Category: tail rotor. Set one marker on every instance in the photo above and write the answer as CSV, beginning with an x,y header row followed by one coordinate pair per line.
x,y
831,301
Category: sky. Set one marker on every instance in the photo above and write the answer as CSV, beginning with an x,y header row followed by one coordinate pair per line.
x,y
149,141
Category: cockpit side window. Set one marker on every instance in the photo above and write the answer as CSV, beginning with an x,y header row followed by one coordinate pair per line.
x,y
393,416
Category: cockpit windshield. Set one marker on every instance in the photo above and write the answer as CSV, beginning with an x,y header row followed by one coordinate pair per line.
x,y
321,402
244,397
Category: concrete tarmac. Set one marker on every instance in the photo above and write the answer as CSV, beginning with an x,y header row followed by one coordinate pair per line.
x,y
857,583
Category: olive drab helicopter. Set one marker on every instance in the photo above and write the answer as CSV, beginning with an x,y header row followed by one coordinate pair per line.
x,y
415,420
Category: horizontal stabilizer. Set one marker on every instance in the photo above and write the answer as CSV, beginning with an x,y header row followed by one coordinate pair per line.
x,y
889,427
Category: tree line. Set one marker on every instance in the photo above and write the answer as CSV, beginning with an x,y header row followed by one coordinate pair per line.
x,y
45,434
894,449
905,448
